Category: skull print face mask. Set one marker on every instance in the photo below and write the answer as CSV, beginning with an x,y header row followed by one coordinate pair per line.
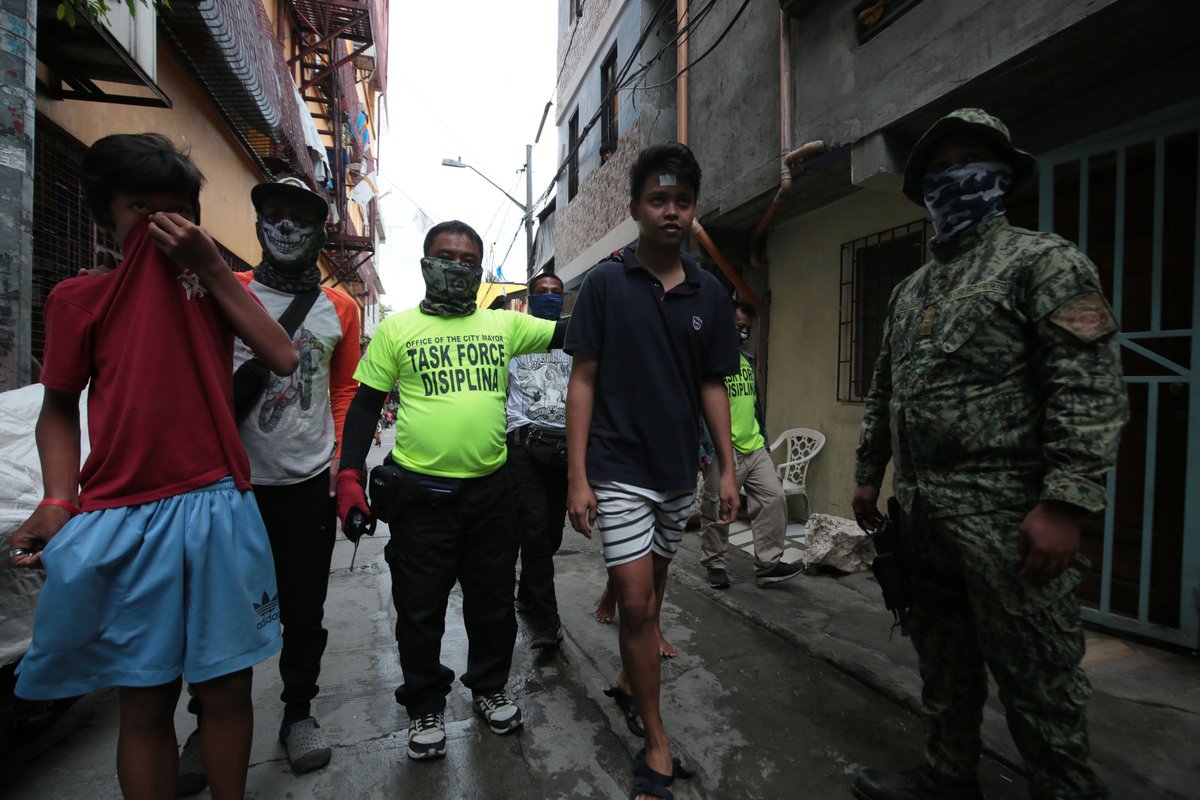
x,y
290,252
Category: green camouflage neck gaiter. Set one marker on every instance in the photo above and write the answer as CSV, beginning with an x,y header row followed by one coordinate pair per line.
x,y
450,288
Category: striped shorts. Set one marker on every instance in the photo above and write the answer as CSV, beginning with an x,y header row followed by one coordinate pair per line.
x,y
634,521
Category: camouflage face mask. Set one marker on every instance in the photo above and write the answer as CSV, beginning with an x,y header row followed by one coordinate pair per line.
x,y
962,196
450,288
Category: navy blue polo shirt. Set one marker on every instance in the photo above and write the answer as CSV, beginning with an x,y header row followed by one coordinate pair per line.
x,y
653,351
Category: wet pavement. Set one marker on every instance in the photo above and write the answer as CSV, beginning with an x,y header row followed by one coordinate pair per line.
x,y
755,715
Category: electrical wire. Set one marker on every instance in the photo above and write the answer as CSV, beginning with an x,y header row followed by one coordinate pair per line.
x,y
701,57
621,78
433,113
505,206
567,52
404,194
487,231
510,245
562,68
624,80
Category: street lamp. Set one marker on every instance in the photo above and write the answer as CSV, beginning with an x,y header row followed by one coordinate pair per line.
x,y
526,207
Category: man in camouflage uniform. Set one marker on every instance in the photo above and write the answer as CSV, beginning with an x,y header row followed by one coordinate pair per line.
x,y
998,392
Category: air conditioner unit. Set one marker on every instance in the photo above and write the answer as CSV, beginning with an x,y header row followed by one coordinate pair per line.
x,y
365,60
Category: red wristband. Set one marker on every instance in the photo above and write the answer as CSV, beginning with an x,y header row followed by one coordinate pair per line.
x,y
54,501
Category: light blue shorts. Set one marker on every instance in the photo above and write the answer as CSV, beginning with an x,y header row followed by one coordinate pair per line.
x,y
139,595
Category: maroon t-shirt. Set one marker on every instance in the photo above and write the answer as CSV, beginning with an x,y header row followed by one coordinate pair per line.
x,y
158,352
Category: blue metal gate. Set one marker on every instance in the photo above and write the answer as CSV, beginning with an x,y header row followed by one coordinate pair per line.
x,y
1130,198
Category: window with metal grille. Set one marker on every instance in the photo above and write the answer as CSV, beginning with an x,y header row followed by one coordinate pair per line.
x,y
872,16
573,156
608,112
64,238
871,268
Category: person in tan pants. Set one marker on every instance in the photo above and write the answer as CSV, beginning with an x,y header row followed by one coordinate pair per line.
x,y
755,475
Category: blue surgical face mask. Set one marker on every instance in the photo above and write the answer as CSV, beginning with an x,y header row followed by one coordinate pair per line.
x,y
962,196
546,306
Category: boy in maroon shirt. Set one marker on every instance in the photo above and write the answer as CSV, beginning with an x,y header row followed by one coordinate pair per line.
x,y
157,563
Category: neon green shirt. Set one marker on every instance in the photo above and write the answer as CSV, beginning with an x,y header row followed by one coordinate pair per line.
x,y
452,375
743,409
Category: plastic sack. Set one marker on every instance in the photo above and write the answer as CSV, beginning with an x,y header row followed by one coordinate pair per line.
x,y
20,492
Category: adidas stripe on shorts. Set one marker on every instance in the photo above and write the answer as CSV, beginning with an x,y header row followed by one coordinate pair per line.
x,y
634,521
138,595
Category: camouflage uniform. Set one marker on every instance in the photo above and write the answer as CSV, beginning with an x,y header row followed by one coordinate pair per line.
x,y
998,385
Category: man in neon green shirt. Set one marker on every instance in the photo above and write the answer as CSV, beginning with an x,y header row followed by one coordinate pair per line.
x,y
755,474
456,521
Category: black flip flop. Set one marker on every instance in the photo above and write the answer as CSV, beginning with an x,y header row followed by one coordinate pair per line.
x,y
624,701
678,770
655,784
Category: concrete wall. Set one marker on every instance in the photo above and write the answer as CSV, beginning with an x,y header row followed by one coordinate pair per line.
x,y
733,117
802,370
18,31
601,205
580,89
580,34
596,220
845,90
226,211
847,94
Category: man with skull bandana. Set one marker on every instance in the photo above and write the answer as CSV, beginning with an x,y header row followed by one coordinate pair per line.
x,y
998,392
291,437
457,520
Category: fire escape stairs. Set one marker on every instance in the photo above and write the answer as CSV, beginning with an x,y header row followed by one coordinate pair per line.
x,y
320,64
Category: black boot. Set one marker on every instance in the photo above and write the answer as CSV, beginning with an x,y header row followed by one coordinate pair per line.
x,y
921,783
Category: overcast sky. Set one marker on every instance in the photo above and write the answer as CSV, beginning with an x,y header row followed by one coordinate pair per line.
x,y
466,79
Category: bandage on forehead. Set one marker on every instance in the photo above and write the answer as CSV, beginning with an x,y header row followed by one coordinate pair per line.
x,y
667,180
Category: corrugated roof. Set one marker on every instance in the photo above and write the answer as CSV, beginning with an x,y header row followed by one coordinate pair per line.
x,y
231,49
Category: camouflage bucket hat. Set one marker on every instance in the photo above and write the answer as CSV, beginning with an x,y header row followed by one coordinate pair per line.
x,y
974,121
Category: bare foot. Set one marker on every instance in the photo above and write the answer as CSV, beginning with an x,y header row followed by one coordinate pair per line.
x,y
606,609
665,648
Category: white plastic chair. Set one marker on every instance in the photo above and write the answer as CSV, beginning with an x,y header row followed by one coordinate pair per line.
x,y
802,445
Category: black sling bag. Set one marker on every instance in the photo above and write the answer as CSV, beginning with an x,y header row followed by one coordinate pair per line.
x,y
250,379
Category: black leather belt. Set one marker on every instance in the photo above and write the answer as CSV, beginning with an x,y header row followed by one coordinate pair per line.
x,y
521,435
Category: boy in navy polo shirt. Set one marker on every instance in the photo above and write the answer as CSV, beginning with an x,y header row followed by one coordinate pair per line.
x,y
652,340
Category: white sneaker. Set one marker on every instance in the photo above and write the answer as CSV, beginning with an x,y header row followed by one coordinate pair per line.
x,y
427,736
501,712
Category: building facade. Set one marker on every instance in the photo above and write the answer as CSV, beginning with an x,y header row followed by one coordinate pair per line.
x,y
1106,94
256,90
605,115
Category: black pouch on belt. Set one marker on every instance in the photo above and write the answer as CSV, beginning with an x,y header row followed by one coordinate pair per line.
x,y
547,446
430,489
386,488
392,488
